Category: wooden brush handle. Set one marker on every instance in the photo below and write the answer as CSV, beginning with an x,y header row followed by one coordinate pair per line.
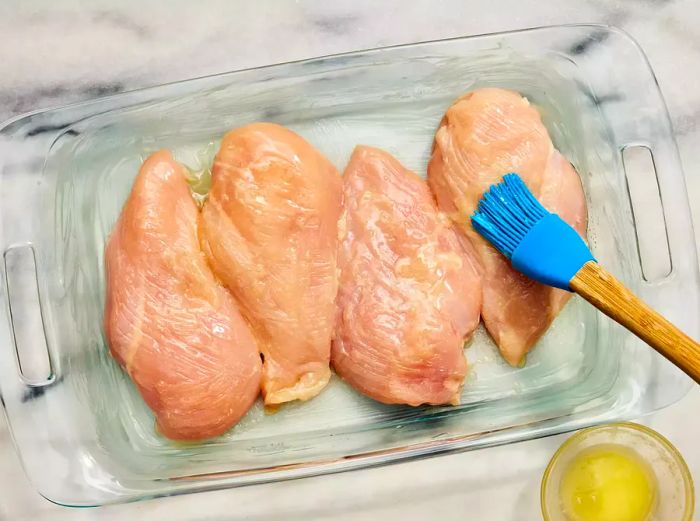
x,y
610,296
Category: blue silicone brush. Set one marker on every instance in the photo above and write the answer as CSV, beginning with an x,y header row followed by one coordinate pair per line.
x,y
544,247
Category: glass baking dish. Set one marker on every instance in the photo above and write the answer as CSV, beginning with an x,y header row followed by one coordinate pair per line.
x,y
83,433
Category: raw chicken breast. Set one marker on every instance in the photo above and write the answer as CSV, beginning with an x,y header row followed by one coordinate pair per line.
x,y
168,321
269,227
409,295
484,135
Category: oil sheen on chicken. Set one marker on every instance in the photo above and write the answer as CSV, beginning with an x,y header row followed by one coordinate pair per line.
x,y
409,296
269,227
484,135
168,321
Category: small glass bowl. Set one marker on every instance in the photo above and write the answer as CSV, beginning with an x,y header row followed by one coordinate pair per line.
x,y
675,495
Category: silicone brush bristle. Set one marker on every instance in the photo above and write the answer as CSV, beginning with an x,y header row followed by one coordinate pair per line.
x,y
538,243
506,213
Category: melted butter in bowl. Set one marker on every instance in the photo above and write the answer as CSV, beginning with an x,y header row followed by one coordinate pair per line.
x,y
617,472
608,482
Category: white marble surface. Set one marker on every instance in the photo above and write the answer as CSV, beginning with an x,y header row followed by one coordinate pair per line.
x,y
52,53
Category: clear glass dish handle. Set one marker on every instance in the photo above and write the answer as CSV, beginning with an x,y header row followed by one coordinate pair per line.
x,y
25,317
641,130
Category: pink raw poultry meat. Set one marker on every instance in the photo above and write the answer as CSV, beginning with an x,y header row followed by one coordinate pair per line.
x,y
484,135
269,228
408,296
168,321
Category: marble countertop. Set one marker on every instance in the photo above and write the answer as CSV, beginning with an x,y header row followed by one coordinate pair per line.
x,y
52,53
